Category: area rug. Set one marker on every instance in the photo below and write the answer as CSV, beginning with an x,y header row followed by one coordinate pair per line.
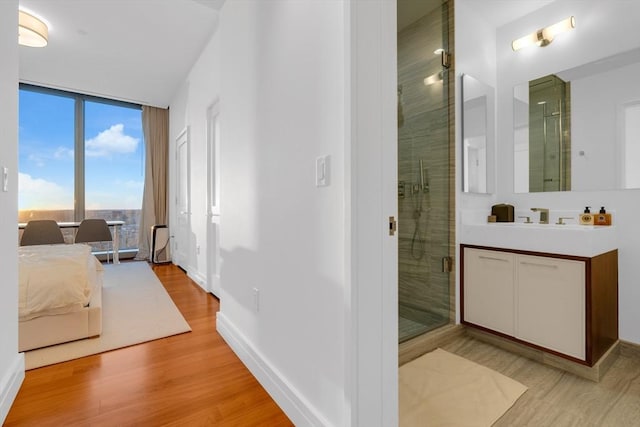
x,y
135,309
443,389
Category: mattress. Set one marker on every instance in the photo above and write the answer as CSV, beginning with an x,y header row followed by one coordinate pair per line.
x,y
55,279
76,312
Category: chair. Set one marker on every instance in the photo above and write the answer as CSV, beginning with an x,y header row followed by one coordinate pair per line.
x,y
94,230
41,232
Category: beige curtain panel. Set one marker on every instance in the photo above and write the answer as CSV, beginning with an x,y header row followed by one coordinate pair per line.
x,y
155,125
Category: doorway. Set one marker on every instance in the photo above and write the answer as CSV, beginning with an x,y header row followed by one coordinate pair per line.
x,y
425,167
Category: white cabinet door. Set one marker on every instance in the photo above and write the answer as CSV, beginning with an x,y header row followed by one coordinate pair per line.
x,y
550,303
489,290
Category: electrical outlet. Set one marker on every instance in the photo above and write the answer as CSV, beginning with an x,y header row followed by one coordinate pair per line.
x,y
198,249
256,300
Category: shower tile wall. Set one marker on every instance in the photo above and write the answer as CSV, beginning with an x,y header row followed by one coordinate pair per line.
x,y
423,134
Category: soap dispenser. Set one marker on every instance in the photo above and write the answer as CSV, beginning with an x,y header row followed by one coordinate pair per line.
x,y
586,218
602,218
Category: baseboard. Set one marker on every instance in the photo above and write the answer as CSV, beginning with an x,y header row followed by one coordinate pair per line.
x,y
10,384
297,408
425,343
629,349
592,373
198,277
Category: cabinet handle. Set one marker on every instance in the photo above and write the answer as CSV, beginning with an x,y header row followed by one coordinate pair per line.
x,y
533,264
493,259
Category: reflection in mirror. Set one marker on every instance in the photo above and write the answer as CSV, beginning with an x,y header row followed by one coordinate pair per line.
x,y
543,137
593,139
477,135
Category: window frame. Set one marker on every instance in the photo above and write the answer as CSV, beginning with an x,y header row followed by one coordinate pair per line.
x,y
79,135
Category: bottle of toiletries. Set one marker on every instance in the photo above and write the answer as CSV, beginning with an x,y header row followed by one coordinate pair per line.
x,y
586,218
602,218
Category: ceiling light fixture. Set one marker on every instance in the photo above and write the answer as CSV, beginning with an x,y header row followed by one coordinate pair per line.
x,y
544,36
32,31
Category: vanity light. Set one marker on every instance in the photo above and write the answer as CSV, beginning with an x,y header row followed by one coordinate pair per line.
x,y
544,36
32,31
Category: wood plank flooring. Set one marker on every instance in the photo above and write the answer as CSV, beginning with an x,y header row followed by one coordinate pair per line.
x,y
557,398
192,379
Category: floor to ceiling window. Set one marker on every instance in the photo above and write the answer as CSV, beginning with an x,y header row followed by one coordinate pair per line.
x,y
80,157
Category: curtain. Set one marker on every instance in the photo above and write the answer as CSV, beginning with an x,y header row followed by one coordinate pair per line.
x,y
155,125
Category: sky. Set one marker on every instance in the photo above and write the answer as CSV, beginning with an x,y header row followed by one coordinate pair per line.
x,y
114,154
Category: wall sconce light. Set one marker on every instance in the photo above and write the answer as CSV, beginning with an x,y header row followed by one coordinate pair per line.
x,y
32,31
544,36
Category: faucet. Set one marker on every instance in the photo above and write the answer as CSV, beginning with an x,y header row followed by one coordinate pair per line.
x,y
562,218
544,215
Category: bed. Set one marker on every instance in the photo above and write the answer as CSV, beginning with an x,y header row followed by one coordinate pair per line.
x,y
60,295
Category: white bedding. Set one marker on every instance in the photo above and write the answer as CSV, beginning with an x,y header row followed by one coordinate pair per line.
x,y
55,279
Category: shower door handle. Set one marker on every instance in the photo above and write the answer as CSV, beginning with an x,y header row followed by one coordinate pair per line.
x,y
393,226
447,264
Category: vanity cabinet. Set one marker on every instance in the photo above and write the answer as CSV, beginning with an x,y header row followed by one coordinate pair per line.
x,y
551,303
489,291
562,304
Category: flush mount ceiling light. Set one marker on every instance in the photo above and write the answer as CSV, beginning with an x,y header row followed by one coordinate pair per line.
x,y
32,31
545,35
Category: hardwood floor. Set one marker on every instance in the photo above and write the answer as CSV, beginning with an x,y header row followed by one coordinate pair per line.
x,y
192,379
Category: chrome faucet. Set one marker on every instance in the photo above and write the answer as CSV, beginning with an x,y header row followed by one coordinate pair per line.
x,y
544,215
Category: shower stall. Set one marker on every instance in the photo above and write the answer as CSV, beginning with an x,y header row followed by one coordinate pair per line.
x,y
425,166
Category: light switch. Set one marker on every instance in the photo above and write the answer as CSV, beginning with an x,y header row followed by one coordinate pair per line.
x,y
5,179
322,171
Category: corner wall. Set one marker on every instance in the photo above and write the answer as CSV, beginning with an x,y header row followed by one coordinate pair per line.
x,y
11,362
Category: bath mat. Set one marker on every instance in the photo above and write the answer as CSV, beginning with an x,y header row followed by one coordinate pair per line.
x,y
442,389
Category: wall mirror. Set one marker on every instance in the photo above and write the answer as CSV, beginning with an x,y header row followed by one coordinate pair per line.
x,y
478,135
579,129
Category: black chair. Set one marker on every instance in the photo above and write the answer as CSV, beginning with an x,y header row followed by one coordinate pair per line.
x,y
41,232
94,230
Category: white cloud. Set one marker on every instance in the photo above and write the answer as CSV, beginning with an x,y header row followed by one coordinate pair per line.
x,y
40,194
63,153
37,159
111,141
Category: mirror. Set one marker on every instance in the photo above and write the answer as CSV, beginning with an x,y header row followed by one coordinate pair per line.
x,y
478,135
579,129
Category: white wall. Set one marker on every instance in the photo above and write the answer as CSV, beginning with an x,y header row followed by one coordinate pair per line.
x,y
602,29
479,61
199,91
278,69
281,106
11,362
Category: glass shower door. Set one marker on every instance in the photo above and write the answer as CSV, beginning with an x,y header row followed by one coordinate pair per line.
x,y
423,170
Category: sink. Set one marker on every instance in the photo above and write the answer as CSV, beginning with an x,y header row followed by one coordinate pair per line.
x,y
565,239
